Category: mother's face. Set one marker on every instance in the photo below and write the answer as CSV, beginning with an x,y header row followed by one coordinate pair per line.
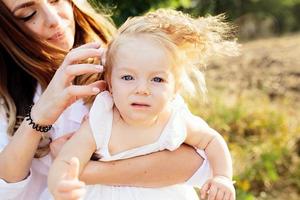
x,y
50,20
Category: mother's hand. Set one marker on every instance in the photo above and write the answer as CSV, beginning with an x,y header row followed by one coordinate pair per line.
x,y
61,92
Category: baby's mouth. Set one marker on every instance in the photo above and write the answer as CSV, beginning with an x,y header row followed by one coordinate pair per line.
x,y
140,105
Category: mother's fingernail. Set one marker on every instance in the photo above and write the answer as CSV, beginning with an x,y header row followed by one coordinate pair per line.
x,y
96,90
99,67
101,50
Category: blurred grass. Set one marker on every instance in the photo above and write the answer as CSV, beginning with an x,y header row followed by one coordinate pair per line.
x,y
263,136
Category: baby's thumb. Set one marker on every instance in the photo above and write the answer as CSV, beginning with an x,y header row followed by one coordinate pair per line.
x,y
205,189
73,169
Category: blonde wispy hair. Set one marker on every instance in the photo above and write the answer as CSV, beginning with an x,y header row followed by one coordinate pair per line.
x,y
190,41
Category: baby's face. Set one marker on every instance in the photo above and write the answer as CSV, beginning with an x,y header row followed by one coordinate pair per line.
x,y
142,82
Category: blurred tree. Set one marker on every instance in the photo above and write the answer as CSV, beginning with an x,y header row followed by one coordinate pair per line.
x,y
123,9
284,13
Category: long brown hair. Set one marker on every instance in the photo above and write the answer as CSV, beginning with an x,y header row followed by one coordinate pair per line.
x,y
26,61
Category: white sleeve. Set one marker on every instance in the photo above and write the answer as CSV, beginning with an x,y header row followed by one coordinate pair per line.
x,y
9,190
13,190
101,117
202,174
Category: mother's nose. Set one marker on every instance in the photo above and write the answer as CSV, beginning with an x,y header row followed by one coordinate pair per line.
x,y
51,16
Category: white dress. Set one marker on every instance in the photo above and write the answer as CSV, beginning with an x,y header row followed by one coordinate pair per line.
x,y
172,136
34,187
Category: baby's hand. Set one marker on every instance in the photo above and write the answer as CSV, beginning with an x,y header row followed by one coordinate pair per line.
x,y
218,188
69,187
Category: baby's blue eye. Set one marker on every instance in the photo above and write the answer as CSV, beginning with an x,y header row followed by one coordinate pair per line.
x,y
158,79
127,78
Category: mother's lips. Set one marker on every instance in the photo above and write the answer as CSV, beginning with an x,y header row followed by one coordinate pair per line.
x,y
57,36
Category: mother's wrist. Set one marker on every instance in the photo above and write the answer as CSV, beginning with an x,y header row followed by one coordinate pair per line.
x,y
36,125
41,116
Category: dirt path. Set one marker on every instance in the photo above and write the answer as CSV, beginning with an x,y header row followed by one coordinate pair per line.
x,y
271,65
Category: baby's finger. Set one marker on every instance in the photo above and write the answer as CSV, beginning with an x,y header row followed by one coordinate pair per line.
x,y
212,193
227,196
205,189
73,195
220,195
232,196
66,186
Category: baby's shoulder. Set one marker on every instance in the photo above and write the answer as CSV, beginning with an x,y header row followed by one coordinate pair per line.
x,y
100,117
195,123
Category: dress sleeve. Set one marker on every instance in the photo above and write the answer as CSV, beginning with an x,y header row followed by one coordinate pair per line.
x,y
202,174
100,117
9,190
204,171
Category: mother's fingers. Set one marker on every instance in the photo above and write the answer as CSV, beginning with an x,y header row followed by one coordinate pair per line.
x,y
80,91
94,45
101,84
72,71
103,55
77,55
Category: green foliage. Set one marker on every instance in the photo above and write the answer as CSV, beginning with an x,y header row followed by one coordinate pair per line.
x,y
123,9
260,134
285,13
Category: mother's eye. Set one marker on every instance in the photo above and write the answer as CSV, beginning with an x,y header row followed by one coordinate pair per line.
x,y
28,17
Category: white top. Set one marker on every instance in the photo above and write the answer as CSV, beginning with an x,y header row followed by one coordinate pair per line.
x,y
172,136
34,186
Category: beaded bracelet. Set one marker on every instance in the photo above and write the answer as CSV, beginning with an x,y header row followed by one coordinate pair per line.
x,y
35,126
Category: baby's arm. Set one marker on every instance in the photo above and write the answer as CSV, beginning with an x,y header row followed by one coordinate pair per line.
x,y
80,146
201,136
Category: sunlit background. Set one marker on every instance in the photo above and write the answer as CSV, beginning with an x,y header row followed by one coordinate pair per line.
x,y
253,99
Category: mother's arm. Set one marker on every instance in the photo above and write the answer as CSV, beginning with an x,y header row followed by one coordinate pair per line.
x,y
154,170
59,94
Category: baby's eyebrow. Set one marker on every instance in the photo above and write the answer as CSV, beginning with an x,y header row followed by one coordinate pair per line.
x,y
126,69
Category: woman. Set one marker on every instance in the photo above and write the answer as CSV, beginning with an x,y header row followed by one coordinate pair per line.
x,y
35,36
